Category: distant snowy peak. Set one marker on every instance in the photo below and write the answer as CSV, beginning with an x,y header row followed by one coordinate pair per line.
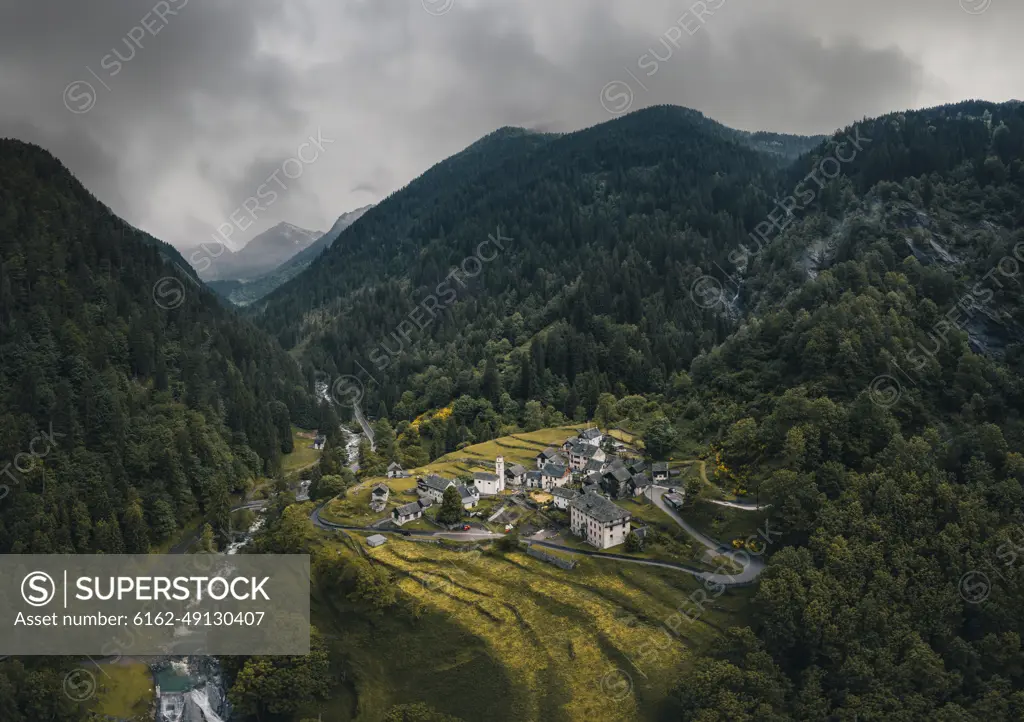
x,y
256,288
263,253
288,233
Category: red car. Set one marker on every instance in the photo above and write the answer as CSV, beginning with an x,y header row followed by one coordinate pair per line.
x,y
465,527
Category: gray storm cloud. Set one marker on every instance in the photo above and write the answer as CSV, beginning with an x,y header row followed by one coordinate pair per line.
x,y
191,104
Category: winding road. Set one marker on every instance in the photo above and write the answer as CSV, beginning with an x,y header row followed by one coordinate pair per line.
x,y
751,570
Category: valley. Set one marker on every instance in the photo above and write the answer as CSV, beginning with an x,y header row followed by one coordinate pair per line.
x,y
619,476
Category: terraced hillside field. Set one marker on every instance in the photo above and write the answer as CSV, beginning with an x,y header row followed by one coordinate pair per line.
x,y
517,449
512,638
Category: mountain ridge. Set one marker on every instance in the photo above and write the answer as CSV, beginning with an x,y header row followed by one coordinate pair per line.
x,y
243,293
262,254
860,369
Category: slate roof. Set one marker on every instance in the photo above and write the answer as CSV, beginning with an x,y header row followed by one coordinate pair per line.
x,y
590,434
640,481
465,494
619,473
516,469
381,490
581,449
636,466
548,453
592,487
597,507
555,470
594,478
408,509
564,493
436,482
592,466
533,475
659,467
394,466
485,476
376,540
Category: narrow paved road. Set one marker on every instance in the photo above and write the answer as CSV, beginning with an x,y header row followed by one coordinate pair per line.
x,y
471,535
632,560
656,493
750,572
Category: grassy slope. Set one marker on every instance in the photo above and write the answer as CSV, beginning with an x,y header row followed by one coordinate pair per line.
x,y
516,449
724,523
514,638
125,690
303,455
519,448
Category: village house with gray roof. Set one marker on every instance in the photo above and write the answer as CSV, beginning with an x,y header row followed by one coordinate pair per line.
x,y
410,512
581,454
432,486
515,474
600,522
469,496
553,475
379,497
563,496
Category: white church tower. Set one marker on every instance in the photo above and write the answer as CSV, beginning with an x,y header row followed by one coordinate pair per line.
x,y
489,484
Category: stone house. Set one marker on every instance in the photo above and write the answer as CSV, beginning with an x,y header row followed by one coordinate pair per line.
x,y
410,512
600,522
432,486
553,475
563,496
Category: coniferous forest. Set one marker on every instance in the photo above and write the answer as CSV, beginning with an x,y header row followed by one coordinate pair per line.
x,y
856,354
156,402
864,362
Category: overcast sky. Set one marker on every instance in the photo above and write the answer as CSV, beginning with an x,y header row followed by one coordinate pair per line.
x,y
177,134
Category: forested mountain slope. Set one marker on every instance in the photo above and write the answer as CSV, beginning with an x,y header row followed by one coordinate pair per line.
x,y
607,227
857,361
160,402
862,369
875,398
